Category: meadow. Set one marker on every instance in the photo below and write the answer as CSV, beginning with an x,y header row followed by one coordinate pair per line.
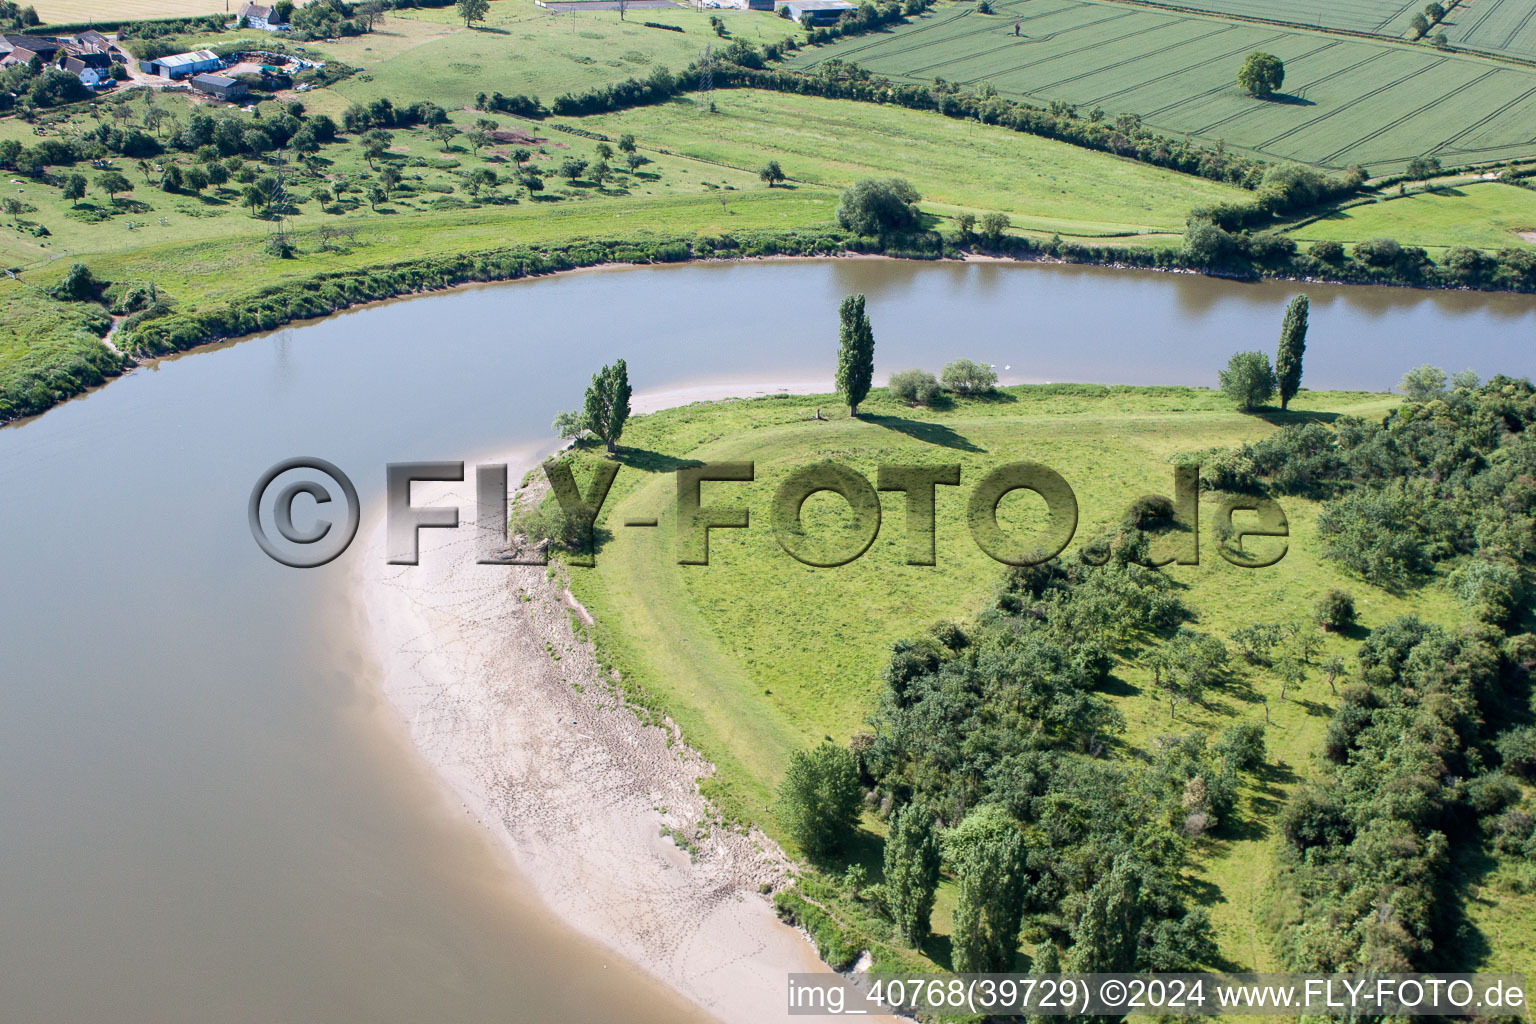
x,y
1345,101
522,48
755,654
59,12
1487,215
1044,186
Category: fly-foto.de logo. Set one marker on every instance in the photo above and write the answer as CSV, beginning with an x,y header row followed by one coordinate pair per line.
x,y
1173,525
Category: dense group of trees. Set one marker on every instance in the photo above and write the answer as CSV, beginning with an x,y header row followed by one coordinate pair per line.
x,y
986,738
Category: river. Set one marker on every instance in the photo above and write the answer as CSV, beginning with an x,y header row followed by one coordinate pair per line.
x,y
208,813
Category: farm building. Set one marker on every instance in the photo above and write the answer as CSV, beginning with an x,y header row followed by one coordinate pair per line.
x,y
93,41
220,86
22,49
822,12
265,18
93,69
180,65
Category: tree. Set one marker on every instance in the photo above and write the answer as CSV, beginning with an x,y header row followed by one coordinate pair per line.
x,y
1187,664
389,177
373,13
477,138
472,11
520,156
599,172
375,144
444,133
77,284
911,872
1248,380
819,798
572,167
376,195
1261,74
771,172
114,182
1335,610
965,223
1333,668
603,151
987,852
1420,26
532,180
1291,673
626,143
965,377
74,188
253,197
1423,383
607,403
1434,11
634,161
570,424
993,225
1293,343
170,181
878,206
855,354
1422,168
1109,923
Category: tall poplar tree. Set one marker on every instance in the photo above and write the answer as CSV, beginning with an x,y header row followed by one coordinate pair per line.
x,y
607,405
912,872
1293,342
987,851
856,353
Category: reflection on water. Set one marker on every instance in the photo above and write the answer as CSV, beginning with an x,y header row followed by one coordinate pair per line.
x,y
207,814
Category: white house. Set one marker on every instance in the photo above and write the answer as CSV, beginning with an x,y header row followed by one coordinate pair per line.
x,y
93,69
265,18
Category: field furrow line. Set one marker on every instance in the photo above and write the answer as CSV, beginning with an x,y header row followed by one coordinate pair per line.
x,y
1398,122
1357,100
1310,85
1469,129
1069,53
1514,33
1143,56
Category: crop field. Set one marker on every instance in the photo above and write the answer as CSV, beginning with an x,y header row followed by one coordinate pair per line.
x,y
55,12
1498,26
1377,17
1041,184
524,48
1484,216
1345,101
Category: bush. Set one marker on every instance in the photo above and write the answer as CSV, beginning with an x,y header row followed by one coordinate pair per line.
x,y
1379,252
1491,591
820,798
878,206
1241,746
1334,611
1328,252
1249,380
915,387
77,284
1517,748
965,377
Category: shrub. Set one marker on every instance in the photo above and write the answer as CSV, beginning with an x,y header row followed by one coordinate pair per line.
x,y
1489,590
915,387
1423,383
1328,252
878,206
1241,746
1379,252
77,284
965,377
1334,611
1517,748
820,798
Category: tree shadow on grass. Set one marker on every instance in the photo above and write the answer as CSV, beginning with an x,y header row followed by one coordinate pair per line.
x,y
1290,99
928,433
1295,417
651,462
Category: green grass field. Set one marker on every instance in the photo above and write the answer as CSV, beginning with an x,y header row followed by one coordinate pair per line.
x,y
1346,101
524,48
1488,215
1043,185
755,654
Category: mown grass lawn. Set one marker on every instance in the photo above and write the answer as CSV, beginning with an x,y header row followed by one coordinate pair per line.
x,y
1485,215
755,654
1041,184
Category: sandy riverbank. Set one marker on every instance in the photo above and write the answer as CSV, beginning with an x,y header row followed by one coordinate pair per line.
x,y
508,704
